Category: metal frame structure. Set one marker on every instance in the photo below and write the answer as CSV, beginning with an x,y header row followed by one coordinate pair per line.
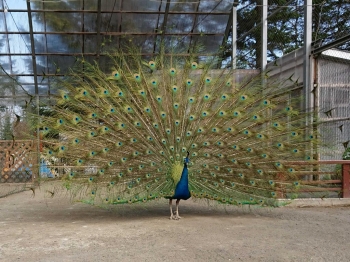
x,y
195,11
163,9
222,13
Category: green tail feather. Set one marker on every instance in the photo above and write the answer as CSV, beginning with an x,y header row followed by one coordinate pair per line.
x,y
132,127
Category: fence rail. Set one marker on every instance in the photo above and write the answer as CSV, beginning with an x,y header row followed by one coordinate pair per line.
x,y
342,186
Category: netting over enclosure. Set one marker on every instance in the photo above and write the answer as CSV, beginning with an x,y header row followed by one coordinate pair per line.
x,y
305,41
58,33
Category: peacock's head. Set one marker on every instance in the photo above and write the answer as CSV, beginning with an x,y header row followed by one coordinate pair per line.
x,y
187,160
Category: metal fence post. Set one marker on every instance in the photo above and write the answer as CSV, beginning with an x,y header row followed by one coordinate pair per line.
x,y
264,35
234,35
346,180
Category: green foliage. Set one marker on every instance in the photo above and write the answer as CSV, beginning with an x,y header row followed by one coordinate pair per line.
x,y
284,29
331,20
346,155
6,130
338,168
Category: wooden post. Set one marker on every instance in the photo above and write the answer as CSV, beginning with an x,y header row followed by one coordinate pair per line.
x,y
346,180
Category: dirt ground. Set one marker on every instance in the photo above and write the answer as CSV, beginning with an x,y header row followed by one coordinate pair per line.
x,y
41,228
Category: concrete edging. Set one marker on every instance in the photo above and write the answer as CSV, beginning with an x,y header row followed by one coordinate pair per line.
x,y
316,202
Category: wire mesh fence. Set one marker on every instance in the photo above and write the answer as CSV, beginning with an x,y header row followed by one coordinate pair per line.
x,y
65,31
333,83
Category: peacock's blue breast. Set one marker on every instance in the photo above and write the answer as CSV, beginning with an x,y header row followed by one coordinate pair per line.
x,y
182,191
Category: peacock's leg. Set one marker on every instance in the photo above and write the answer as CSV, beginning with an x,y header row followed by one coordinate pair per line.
x,y
177,216
171,209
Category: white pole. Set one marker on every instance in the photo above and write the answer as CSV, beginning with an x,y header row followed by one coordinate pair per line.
x,y
307,77
234,35
264,35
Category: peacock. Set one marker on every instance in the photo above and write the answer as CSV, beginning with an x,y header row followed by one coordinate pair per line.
x,y
175,126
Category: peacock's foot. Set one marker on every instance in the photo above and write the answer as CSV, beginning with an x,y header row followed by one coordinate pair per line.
x,y
173,216
177,217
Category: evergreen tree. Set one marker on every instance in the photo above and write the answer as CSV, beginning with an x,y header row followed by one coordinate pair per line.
x,y
285,25
331,20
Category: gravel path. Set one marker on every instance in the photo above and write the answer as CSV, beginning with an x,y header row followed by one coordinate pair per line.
x,y
41,228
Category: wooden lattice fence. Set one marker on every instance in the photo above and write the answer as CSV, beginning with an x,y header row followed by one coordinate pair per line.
x,y
17,161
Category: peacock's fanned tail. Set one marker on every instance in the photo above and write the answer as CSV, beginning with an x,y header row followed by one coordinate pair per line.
x,y
124,134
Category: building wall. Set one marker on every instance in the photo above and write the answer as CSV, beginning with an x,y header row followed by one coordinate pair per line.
x,y
332,77
334,104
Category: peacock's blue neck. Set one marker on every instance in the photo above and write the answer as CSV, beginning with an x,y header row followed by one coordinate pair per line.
x,y
184,177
